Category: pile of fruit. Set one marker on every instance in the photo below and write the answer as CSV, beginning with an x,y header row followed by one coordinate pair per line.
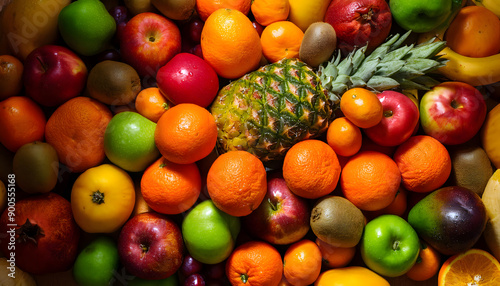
x,y
250,142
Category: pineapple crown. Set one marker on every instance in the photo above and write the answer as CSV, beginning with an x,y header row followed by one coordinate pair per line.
x,y
389,66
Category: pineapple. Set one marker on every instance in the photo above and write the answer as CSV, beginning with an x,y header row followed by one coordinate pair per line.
x,y
269,110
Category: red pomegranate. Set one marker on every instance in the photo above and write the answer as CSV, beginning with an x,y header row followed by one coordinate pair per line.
x,y
41,234
359,22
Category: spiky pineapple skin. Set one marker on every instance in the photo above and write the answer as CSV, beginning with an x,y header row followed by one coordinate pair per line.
x,y
269,110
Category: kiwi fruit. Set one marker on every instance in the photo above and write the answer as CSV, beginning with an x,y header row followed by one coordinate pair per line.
x,y
318,44
337,221
471,167
36,166
113,83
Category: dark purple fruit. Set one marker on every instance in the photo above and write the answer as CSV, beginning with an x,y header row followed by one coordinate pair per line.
x,y
450,219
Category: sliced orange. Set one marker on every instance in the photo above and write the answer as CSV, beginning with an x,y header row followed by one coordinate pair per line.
x,y
472,267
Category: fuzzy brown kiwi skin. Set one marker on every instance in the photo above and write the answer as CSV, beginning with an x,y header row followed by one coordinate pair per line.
x,y
471,167
113,83
318,44
337,221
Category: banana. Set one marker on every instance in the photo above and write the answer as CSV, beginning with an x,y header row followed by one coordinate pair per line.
x,y
491,200
492,5
474,71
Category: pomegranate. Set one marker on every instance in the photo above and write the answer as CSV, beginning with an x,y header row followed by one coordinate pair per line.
x,y
358,23
41,234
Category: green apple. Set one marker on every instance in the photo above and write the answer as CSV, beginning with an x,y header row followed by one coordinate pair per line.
x,y
129,141
422,16
389,245
97,262
209,233
86,26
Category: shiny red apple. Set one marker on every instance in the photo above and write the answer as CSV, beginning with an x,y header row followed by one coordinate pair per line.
x,y
187,78
359,22
399,121
53,74
150,246
148,42
452,112
282,217
40,233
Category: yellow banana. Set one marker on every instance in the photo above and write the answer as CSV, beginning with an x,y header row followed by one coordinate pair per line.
x,y
492,5
491,200
474,71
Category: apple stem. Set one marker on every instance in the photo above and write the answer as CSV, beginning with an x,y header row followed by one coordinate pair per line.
x,y
97,197
144,247
387,113
29,231
244,278
273,206
44,67
395,245
454,104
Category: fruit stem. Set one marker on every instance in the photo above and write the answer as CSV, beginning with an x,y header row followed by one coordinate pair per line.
x,y
274,207
144,247
454,104
244,278
97,197
388,113
395,245
29,231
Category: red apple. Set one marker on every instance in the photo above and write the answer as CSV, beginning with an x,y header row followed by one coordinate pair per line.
x,y
150,246
53,74
187,78
359,22
282,217
452,112
41,233
399,121
148,42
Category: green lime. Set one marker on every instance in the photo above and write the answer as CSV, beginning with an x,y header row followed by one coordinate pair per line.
x,y
96,263
86,26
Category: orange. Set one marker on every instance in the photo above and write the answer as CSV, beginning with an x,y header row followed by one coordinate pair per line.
x,y
424,163
344,137
302,262
206,7
472,267
427,265
237,182
186,133
362,107
370,180
151,104
230,43
311,169
281,40
171,188
11,74
267,12
474,32
22,121
254,263
397,207
334,257
76,130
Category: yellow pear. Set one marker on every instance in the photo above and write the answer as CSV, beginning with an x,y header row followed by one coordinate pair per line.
x,y
305,12
29,24
175,9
